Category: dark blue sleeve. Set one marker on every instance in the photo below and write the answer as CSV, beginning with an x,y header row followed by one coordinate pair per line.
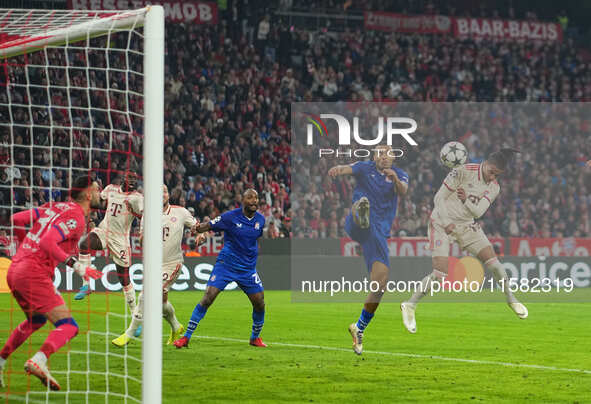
x,y
402,175
359,168
221,222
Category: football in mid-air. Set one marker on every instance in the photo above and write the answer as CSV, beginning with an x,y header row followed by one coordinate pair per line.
x,y
453,154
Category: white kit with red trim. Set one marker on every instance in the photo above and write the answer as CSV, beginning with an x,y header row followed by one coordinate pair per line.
x,y
470,178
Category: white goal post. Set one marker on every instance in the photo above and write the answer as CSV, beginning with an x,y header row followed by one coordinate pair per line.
x,y
23,32
153,180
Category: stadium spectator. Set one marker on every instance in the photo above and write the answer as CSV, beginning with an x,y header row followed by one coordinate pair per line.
x,y
227,119
192,251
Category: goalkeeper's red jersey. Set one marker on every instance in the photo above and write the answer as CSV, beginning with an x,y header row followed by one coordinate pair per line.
x,y
69,223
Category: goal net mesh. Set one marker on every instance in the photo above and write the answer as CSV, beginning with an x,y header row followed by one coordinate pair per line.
x,y
71,103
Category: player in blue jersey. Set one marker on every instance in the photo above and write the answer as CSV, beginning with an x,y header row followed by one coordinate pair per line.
x,y
236,263
375,199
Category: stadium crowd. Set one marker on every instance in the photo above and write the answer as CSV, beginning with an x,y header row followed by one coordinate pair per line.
x,y
227,124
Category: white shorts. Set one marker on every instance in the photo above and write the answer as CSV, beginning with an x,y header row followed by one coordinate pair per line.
x,y
170,272
470,237
119,250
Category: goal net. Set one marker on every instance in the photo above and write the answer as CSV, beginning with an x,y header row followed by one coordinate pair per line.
x,y
81,93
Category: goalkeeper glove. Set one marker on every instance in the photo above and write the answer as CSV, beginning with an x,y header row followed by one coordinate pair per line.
x,y
86,272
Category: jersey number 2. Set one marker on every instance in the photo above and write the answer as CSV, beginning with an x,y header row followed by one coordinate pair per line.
x,y
257,280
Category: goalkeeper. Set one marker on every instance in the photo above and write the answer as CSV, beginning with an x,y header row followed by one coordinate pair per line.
x,y
53,238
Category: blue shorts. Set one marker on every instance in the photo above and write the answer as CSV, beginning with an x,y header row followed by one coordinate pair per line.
x,y
248,281
374,245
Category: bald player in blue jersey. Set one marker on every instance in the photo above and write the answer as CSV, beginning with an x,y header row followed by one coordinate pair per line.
x,y
236,262
375,199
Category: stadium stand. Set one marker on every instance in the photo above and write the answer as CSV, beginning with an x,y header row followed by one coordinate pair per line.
x,y
227,123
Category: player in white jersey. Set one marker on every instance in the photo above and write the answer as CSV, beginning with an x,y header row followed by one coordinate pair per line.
x,y
174,221
466,194
124,204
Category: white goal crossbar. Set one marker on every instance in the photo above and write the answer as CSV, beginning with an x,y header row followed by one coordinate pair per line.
x,y
31,30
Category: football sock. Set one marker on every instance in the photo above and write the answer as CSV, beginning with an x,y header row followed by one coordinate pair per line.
x,y
425,285
85,259
129,293
500,275
364,319
21,333
65,330
258,319
169,315
40,357
198,313
137,317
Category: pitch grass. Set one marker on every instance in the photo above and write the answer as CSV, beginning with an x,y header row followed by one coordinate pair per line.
x,y
214,370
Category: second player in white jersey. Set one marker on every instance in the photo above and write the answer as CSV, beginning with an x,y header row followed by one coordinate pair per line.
x,y
174,221
466,194
114,230
123,205
459,209
480,194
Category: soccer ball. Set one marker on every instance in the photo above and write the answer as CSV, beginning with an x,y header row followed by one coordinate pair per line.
x,y
453,154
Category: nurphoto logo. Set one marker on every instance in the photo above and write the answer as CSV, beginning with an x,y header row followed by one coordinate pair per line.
x,y
387,127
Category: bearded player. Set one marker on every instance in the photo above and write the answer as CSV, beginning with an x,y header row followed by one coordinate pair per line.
x,y
375,200
124,204
53,238
174,221
466,194
236,262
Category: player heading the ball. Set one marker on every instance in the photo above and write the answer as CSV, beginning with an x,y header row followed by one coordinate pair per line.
x,y
466,194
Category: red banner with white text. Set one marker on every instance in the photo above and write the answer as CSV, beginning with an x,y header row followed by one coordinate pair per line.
x,y
419,24
464,27
194,12
507,29
554,247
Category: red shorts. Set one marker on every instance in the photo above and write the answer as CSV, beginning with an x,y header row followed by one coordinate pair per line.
x,y
33,291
